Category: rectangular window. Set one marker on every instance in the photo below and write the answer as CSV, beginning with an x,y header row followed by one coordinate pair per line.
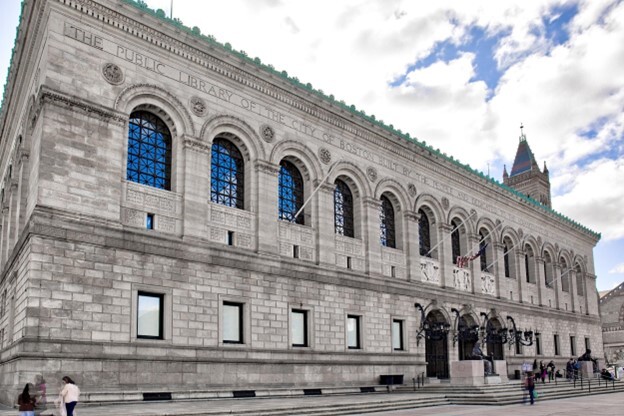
x,y
349,264
230,238
232,323
296,252
538,344
393,271
397,335
556,341
587,346
149,222
353,332
572,346
299,328
150,315
518,347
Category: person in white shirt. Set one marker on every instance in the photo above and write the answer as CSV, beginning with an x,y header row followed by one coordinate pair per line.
x,y
69,395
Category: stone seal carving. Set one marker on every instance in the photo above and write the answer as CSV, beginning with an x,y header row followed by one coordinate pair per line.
x,y
445,203
324,155
371,172
112,73
267,133
198,106
411,188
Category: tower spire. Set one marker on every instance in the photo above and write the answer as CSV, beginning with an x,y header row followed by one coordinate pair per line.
x,y
522,135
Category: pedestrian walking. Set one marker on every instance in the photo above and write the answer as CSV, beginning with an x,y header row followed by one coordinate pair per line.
x,y
68,398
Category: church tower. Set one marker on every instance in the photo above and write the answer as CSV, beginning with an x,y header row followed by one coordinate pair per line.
x,y
526,176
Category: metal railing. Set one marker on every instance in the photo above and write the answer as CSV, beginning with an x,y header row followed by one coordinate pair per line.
x,y
419,381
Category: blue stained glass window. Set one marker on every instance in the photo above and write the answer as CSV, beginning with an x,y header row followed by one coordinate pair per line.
x,y
290,192
227,174
343,209
149,151
386,221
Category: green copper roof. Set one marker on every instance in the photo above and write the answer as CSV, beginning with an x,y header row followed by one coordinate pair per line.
x,y
196,32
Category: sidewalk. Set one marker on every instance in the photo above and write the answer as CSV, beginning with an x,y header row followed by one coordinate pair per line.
x,y
603,405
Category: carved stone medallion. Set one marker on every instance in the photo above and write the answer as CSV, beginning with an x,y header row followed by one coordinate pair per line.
x,y
267,133
198,106
325,155
411,188
445,203
371,172
112,73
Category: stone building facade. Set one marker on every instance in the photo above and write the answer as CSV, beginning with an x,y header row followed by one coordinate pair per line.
x,y
151,179
612,314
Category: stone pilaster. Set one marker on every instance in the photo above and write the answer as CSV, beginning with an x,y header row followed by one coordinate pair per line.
x,y
410,243
267,211
324,218
540,278
444,254
372,243
498,251
196,188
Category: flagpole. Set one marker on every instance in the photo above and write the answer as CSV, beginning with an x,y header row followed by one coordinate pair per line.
x,y
450,234
315,191
483,239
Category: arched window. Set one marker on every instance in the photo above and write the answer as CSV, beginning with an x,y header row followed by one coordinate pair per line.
x,y
386,222
227,174
455,242
565,275
483,250
290,192
424,235
149,151
343,209
509,258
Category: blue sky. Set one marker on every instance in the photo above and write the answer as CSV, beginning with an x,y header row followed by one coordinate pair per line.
x,y
461,76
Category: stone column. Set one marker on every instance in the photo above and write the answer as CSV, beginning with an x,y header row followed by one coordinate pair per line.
x,y
267,208
498,251
444,254
5,232
196,193
573,291
371,237
557,284
474,266
541,280
411,245
324,219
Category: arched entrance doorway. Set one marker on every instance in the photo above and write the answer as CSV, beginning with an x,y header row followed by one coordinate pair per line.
x,y
467,336
436,345
495,337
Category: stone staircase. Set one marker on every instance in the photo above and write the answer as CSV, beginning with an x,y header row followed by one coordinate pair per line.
x,y
513,392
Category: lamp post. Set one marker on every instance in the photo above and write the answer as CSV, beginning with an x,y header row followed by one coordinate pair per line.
x,y
518,335
430,330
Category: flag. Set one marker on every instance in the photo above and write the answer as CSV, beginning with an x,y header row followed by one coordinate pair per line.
x,y
462,261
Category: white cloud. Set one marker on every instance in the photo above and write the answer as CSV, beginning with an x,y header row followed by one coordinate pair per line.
x,y
619,269
559,92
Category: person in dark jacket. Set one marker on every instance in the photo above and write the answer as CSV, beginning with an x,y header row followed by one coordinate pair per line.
x,y
26,402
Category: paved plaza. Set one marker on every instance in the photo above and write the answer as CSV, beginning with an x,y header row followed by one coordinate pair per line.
x,y
604,405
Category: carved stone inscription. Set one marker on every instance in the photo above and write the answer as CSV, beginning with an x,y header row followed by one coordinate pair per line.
x,y
299,125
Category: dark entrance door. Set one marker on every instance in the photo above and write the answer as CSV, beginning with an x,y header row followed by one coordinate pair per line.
x,y
467,336
436,354
495,337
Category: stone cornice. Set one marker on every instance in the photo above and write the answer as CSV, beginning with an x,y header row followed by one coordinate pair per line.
x,y
266,167
57,98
